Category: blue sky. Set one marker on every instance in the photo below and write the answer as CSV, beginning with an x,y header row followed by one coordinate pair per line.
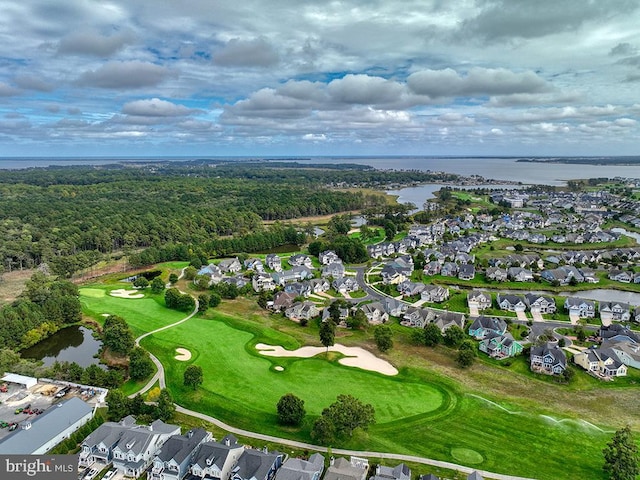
x,y
285,77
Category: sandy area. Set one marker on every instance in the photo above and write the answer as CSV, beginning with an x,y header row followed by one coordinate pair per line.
x,y
183,354
279,368
122,293
355,356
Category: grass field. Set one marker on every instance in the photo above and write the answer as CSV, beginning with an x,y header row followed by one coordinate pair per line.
x,y
430,409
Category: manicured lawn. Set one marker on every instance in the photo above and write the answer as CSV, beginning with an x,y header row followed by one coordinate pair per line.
x,y
416,413
421,411
142,314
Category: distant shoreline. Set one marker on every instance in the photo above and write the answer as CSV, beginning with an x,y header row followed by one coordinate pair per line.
x,y
623,161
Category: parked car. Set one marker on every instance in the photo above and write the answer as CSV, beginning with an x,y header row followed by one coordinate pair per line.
x,y
109,474
91,474
13,426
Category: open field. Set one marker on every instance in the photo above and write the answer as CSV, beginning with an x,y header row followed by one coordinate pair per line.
x,y
503,419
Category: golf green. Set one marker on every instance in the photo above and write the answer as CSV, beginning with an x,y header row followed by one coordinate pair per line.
x,y
235,370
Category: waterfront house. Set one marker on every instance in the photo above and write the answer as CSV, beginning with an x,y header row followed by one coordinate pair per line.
x,y
580,307
540,303
434,294
616,310
512,303
481,300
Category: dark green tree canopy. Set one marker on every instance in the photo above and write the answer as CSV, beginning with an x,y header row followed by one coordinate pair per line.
x,y
383,336
341,418
290,410
621,460
193,376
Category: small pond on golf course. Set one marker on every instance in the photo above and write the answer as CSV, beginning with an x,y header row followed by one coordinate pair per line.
x,y
71,344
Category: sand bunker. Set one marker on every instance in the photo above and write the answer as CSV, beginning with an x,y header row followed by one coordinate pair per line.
x,y
183,354
122,293
355,356
278,368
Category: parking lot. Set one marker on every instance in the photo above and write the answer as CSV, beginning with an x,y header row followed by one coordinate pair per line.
x,y
36,400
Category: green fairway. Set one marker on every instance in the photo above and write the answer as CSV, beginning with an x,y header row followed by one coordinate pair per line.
x,y
418,412
142,314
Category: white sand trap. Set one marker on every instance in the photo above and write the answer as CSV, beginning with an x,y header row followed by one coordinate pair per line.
x,y
183,354
355,356
105,315
122,293
278,368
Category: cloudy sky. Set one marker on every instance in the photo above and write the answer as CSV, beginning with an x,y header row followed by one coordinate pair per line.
x,y
307,77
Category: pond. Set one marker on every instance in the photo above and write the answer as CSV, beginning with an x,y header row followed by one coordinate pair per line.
x,y
71,344
596,294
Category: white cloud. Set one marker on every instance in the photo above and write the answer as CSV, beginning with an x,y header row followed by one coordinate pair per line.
x,y
156,108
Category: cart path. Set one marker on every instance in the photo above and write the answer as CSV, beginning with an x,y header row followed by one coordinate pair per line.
x,y
159,377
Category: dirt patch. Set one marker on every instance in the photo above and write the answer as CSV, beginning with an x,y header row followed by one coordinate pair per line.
x,y
354,356
12,284
122,293
182,354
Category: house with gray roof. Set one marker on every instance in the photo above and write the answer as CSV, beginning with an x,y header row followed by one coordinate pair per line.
x,y
173,460
37,435
483,326
475,476
230,265
399,472
615,310
511,303
434,293
257,465
130,447
299,469
215,460
540,303
334,270
481,300
580,307
627,352
274,262
549,359
342,469
375,313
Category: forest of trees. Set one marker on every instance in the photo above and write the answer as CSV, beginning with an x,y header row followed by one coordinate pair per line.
x,y
45,306
71,217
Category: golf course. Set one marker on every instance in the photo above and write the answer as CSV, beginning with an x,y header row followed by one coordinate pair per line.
x,y
420,411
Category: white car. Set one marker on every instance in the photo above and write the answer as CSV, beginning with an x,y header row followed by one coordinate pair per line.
x,y
91,474
109,474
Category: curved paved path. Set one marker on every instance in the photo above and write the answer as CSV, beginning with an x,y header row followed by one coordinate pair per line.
x,y
159,376
309,446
